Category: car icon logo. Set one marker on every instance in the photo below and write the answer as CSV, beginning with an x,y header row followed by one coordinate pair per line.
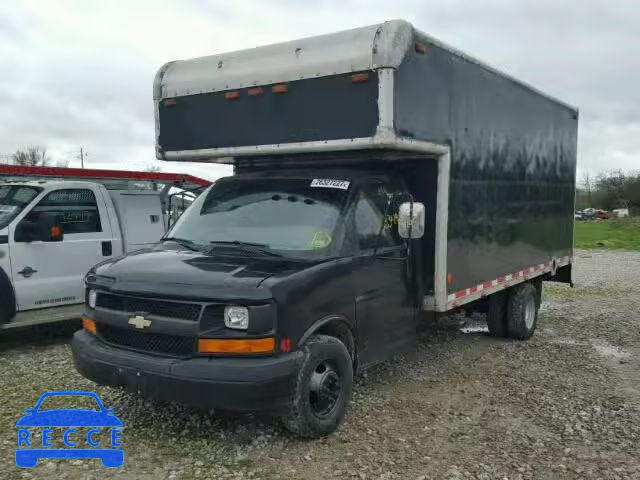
x,y
139,321
35,433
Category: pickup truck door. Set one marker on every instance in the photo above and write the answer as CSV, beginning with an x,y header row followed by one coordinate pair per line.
x,y
48,274
385,306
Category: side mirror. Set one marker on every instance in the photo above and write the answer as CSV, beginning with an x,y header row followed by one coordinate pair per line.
x,y
45,229
411,219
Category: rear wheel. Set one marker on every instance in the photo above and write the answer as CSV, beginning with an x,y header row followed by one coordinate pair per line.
x,y
497,314
522,311
323,388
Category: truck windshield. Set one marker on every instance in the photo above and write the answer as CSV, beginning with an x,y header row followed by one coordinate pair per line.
x,y
13,199
290,216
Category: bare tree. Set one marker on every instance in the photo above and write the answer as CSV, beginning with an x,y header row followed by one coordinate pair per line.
x,y
31,157
587,184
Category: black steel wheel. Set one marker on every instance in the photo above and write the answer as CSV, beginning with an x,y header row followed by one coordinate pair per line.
x,y
322,390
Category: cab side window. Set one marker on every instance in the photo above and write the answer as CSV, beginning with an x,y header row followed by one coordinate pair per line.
x,y
374,221
75,209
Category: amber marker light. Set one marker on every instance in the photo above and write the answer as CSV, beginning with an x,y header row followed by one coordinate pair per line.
x,y
236,346
89,325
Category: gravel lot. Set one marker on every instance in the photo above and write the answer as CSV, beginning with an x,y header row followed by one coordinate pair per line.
x,y
462,405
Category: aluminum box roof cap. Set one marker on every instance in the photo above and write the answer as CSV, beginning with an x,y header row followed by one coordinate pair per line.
x,y
366,48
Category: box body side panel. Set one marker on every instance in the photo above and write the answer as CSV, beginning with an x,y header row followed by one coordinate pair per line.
x,y
513,161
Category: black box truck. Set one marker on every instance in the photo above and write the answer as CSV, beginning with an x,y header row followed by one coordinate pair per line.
x,y
380,177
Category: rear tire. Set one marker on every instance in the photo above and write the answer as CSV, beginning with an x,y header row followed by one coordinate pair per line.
x,y
323,388
522,311
497,314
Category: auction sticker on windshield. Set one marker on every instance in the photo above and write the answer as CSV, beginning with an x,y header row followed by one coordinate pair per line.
x,y
330,183
70,432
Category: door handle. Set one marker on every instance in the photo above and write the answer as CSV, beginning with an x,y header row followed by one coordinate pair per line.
x,y
26,272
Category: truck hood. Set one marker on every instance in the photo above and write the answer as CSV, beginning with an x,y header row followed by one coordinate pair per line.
x,y
187,274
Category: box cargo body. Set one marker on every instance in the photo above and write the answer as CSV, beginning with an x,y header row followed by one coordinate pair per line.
x,y
505,154
378,173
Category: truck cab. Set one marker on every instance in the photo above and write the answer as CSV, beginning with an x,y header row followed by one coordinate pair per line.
x,y
260,263
52,232
56,223
44,265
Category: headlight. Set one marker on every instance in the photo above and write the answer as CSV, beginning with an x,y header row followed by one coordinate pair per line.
x,y
92,298
236,317
90,277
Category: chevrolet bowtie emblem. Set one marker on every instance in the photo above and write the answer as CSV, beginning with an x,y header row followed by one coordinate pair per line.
x,y
139,322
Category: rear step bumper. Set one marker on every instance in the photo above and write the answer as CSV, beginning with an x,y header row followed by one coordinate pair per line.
x,y
234,384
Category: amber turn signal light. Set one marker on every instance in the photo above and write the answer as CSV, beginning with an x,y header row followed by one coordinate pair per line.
x,y
280,88
89,325
236,346
359,78
421,48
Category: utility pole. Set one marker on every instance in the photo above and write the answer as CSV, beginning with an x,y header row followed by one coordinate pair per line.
x,y
81,156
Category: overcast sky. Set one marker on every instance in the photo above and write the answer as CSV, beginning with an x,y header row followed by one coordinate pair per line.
x,y
80,72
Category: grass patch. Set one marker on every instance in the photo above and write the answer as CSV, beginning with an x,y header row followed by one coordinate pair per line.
x,y
565,292
616,234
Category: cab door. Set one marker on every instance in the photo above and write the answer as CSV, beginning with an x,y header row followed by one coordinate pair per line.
x,y
48,274
385,305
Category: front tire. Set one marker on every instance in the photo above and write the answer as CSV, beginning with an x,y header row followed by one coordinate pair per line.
x,y
522,311
323,388
7,299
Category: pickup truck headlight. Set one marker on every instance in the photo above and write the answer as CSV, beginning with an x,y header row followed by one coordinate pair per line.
x,y
236,317
90,277
92,298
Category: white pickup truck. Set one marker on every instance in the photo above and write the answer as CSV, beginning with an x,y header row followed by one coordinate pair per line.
x,y
53,231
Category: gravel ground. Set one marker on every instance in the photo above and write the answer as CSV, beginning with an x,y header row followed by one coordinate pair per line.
x,y
563,405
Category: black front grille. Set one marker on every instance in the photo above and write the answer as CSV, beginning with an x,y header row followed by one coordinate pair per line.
x,y
150,342
187,311
213,318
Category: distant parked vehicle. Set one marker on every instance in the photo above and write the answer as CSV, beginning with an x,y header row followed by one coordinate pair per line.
x,y
621,212
57,223
603,215
586,214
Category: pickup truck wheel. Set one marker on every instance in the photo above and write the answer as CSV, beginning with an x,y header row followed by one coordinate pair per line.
x,y
323,388
5,316
522,311
7,305
497,314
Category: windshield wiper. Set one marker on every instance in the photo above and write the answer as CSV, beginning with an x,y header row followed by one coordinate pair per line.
x,y
183,242
258,247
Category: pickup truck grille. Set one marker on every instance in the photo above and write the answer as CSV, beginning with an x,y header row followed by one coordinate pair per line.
x,y
131,305
149,342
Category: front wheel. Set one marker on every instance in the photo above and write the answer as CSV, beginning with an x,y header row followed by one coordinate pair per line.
x,y
323,388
